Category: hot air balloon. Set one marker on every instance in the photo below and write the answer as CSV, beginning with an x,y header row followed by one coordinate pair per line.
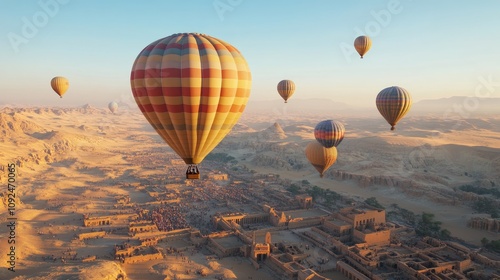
x,y
113,107
320,157
59,85
362,45
286,88
393,103
192,88
329,133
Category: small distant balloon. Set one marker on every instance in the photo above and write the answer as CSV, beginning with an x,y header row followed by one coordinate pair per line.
x,y
60,85
393,103
113,107
362,45
329,133
286,88
320,157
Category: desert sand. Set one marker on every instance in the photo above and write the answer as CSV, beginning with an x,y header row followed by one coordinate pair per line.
x,y
76,161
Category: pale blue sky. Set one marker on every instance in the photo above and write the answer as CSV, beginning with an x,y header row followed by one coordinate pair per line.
x,y
433,48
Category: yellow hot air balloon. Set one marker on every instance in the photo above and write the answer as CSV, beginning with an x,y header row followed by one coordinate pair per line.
x,y
192,88
286,88
362,45
393,103
320,157
59,85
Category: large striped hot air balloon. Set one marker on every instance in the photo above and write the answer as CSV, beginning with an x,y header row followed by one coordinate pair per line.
x,y
286,88
192,88
113,106
320,157
60,85
362,44
393,103
329,133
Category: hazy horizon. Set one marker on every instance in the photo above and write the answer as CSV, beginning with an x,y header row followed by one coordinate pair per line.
x,y
433,49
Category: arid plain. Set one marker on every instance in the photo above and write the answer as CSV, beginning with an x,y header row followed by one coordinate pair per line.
x,y
75,161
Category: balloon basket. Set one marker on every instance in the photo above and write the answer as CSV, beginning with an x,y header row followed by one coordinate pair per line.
x,y
192,172
193,176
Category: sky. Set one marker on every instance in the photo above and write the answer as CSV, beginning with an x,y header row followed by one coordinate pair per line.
x,y
433,48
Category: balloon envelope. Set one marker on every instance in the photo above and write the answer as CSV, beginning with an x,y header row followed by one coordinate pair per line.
x,y
329,133
113,107
320,157
362,44
393,103
192,88
286,88
60,85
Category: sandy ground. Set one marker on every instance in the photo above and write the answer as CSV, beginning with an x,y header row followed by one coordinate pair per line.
x,y
75,162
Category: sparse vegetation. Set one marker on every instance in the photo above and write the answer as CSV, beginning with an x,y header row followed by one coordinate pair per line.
x,y
488,206
493,245
220,157
294,189
372,201
328,195
427,226
480,190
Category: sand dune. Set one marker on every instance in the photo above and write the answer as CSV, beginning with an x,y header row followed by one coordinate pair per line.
x,y
75,161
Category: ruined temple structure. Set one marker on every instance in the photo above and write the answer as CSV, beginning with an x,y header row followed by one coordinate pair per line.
x,y
89,235
141,226
260,251
132,254
481,223
95,221
305,201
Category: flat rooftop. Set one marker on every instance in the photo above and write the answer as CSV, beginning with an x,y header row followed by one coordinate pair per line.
x,y
283,236
229,242
339,222
305,213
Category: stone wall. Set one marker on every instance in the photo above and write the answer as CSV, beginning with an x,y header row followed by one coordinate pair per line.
x,y
373,238
477,257
481,223
89,235
350,272
143,258
96,221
